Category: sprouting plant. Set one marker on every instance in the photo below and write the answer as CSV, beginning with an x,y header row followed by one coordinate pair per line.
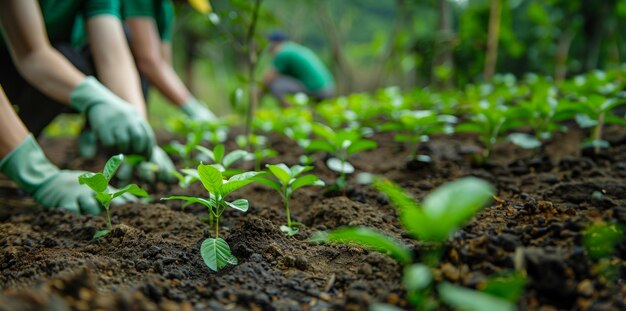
x,y
600,241
99,183
215,251
489,119
441,213
594,111
538,112
286,182
185,151
214,131
341,145
415,127
223,161
258,146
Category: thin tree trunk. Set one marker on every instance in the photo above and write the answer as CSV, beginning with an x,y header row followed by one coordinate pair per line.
x,y
491,59
443,44
562,52
252,62
331,32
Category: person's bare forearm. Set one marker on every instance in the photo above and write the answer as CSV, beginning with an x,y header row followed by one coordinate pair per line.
x,y
36,60
113,60
164,78
12,130
151,55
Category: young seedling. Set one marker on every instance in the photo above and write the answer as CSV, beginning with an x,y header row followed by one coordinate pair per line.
x,y
185,151
222,161
257,145
99,183
441,213
215,251
489,119
415,127
342,145
286,182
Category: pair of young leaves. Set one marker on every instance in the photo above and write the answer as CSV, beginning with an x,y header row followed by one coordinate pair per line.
x,y
287,180
215,251
440,214
99,183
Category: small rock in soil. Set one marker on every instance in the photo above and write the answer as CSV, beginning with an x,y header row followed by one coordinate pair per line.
x,y
301,263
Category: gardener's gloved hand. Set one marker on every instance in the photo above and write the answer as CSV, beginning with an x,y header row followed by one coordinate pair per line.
x,y
51,187
197,110
115,122
158,168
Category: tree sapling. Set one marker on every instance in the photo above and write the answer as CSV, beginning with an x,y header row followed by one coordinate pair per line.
x,y
99,183
215,251
286,182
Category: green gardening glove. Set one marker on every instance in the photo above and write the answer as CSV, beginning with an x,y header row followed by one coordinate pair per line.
x,y
51,187
158,168
197,111
115,122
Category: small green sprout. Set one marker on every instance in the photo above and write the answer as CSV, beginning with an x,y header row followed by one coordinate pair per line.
x,y
258,146
489,119
99,183
441,213
415,127
185,151
223,161
215,251
342,144
286,182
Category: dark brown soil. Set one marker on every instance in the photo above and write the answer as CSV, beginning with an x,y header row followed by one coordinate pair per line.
x,y
151,260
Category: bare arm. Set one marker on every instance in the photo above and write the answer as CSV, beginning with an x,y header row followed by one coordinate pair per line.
x,y
166,52
113,60
147,49
13,132
37,61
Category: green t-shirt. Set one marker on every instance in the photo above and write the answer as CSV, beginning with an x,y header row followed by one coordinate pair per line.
x,y
59,15
301,63
162,11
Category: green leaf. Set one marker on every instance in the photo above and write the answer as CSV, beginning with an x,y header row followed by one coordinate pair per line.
x,y
417,277
290,231
104,198
368,238
509,287
112,165
132,189
299,169
320,145
206,151
100,234
306,180
457,201
233,157
282,173
216,254
398,197
524,140
323,131
96,181
270,183
204,202
218,153
361,145
466,299
233,185
210,177
240,204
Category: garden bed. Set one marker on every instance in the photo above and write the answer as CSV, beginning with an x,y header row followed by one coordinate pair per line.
x,y
151,259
